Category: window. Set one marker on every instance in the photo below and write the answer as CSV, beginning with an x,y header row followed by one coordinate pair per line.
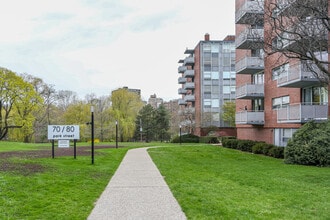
x,y
215,75
258,78
207,75
315,95
280,71
281,102
207,103
226,75
215,103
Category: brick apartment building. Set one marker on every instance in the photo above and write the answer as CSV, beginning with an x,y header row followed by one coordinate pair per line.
x,y
275,95
207,78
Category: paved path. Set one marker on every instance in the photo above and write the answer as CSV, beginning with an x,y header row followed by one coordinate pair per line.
x,y
137,191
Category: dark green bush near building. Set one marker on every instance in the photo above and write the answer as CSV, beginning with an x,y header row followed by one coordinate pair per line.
x,y
310,145
255,147
186,138
209,140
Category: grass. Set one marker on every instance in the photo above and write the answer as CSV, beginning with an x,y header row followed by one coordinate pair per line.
x,y
213,182
60,188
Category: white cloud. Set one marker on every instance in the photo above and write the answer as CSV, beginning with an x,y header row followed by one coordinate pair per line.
x,y
99,45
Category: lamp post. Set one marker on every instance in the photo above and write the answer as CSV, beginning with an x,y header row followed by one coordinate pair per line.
x,y
92,126
180,134
116,134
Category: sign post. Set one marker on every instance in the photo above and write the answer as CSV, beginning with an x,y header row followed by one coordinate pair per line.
x,y
63,133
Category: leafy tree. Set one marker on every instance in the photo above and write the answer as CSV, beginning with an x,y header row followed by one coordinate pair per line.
x,y
17,101
125,107
228,113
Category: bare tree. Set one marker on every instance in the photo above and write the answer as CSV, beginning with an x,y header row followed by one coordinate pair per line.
x,y
298,29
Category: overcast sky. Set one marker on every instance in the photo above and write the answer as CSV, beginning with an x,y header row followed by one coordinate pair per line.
x,y
96,46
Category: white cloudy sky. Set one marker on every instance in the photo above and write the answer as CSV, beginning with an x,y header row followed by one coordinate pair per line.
x,y
96,46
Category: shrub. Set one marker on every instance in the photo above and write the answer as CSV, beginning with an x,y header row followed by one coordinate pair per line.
x,y
230,143
277,152
209,139
186,138
310,145
245,145
258,148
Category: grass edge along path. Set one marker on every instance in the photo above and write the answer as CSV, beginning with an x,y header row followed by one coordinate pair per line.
x,y
211,182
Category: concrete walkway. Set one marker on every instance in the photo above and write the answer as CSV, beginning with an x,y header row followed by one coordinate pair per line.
x,y
137,191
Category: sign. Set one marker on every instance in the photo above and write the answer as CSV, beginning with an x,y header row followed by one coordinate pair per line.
x,y
63,132
63,143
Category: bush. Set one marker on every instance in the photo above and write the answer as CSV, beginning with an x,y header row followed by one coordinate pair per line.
x,y
230,143
258,148
310,145
209,139
186,138
277,152
245,145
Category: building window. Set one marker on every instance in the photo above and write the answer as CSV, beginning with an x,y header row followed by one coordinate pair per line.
x,y
283,135
315,96
280,102
280,71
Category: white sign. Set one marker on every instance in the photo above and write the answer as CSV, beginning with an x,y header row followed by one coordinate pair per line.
x,y
63,132
63,143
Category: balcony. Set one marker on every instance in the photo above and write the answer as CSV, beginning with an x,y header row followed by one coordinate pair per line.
x,y
251,12
189,61
182,80
250,117
250,65
189,73
302,113
182,91
311,34
301,75
189,85
182,102
189,98
250,91
181,69
250,39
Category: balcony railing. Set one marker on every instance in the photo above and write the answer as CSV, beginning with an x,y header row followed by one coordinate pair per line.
x,y
311,33
302,113
182,80
189,73
182,91
250,39
189,85
182,102
301,75
250,117
188,61
250,91
189,98
181,69
250,65
250,12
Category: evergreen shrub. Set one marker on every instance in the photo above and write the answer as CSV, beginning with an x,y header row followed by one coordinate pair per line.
x,y
310,145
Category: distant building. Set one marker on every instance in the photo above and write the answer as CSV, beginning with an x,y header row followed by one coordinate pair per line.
x,y
136,91
154,101
208,80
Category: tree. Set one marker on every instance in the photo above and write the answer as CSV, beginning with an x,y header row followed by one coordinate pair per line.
x,y
299,30
228,113
125,107
17,101
162,120
146,119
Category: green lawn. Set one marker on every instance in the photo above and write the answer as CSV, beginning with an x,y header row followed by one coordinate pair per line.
x,y
60,188
212,182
